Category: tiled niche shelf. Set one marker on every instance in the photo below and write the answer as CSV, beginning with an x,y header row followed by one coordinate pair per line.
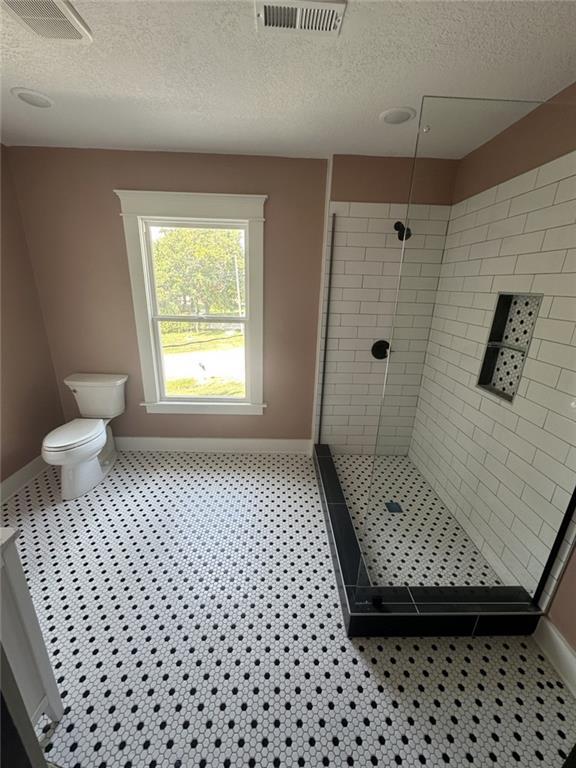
x,y
508,343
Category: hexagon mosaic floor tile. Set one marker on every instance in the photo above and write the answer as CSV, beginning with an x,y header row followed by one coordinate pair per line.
x,y
191,615
424,545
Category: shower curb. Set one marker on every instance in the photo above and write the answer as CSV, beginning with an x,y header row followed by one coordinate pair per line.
x,y
371,611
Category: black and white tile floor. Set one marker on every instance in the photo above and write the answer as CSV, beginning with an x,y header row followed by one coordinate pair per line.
x,y
191,614
422,546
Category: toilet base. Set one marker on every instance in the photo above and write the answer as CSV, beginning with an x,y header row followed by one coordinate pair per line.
x,y
78,479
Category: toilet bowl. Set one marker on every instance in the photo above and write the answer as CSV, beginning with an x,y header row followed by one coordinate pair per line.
x,y
84,448
76,447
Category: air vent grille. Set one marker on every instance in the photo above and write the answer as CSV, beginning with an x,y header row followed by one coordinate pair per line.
x,y
52,19
280,16
300,16
319,19
35,8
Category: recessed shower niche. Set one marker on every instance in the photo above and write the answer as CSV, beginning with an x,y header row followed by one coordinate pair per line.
x,y
508,343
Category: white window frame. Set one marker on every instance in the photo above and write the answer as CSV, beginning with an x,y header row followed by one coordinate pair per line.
x,y
140,210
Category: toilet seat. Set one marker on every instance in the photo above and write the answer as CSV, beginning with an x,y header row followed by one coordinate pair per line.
x,y
74,434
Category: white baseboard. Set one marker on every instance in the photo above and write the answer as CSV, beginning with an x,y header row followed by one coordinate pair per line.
x,y
557,651
214,445
19,479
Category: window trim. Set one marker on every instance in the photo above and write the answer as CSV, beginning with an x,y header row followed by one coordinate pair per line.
x,y
139,210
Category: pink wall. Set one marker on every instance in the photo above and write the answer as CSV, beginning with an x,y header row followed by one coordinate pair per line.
x,y
77,248
543,135
366,179
30,406
563,609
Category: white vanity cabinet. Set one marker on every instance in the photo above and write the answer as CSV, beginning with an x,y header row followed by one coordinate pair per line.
x,y
21,636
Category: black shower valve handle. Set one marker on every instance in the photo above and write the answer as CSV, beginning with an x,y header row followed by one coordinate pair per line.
x,y
380,349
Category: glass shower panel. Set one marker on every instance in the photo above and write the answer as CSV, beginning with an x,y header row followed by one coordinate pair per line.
x,y
468,484
362,267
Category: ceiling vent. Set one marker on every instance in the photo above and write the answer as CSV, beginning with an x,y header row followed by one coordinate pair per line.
x,y
53,19
321,18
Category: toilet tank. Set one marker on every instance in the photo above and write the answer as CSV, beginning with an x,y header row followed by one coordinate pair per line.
x,y
99,395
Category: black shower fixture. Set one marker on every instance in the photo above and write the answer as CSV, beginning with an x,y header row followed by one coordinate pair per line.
x,y
380,349
404,233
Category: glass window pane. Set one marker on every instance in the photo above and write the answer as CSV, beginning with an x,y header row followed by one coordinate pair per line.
x,y
199,270
203,359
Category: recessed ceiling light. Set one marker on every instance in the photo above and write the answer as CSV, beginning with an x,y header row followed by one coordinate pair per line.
x,y
397,115
32,98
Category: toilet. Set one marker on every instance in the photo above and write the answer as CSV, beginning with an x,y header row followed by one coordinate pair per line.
x,y
84,447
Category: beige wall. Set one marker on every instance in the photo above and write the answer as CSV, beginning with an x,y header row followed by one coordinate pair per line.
x,y
77,248
30,406
563,608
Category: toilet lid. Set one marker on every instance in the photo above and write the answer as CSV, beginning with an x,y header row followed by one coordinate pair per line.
x,y
74,433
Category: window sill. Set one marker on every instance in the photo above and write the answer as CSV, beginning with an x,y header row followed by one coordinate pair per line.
x,y
232,409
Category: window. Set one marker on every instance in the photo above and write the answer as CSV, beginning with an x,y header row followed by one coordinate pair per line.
x,y
196,268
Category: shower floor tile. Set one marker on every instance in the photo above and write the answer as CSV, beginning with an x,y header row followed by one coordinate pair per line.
x,y
424,545
190,611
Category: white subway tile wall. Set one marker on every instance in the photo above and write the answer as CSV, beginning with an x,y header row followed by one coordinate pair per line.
x,y
505,470
364,296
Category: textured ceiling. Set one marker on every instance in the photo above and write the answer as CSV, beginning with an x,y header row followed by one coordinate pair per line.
x,y
196,75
